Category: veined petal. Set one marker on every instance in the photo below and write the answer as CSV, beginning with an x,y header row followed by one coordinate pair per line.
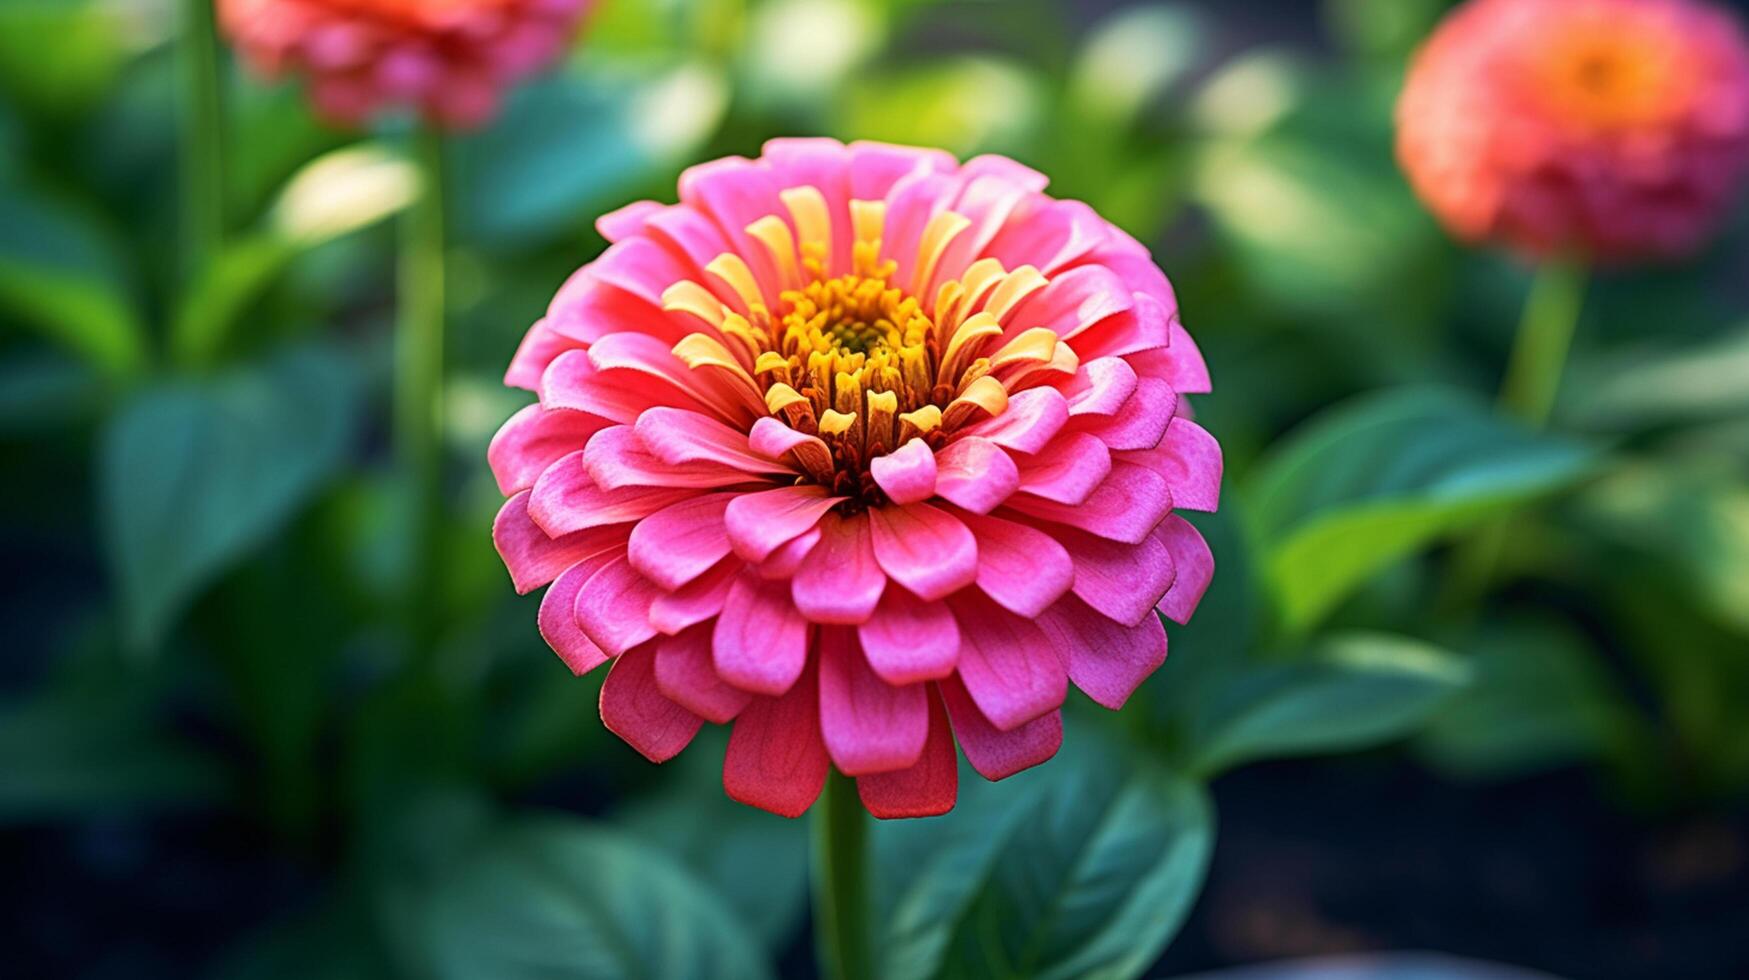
x,y
1106,660
681,541
632,707
533,557
906,474
761,642
558,619
776,759
534,439
565,499
1131,502
994,753
908,640
1122,581
613,607
929,787
760,523
1195,565
679,437
1033,418
1189,461
1068,470
869,725
698,600
1007,663
924,549
840,582
975,474
1021,567
687,676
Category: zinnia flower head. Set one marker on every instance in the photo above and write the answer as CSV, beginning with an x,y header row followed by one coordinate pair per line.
x,y
1617,129
863,451
450,60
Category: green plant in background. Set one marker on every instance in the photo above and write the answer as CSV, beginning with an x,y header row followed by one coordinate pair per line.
x,y
206,436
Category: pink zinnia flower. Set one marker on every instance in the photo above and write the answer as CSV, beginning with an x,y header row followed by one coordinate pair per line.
x,y
449,59
863,451
1618,129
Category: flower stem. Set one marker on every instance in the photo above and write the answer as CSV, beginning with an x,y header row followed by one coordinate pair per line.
x,y
419,384
841,881
1533,379
202,159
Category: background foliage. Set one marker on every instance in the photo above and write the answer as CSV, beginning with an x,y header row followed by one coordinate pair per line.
x,y
217,760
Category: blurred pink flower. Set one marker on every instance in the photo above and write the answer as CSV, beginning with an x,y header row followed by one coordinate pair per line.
x,y
864,451
449,59
1618,129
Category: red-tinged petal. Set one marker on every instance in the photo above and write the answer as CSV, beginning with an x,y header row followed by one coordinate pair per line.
x,y
698,600
994,753
679,437
1142,327
613,607
906,474
1007,663
737,192
686,676
1131,502
632,707
841,582
760,523
540,347
777,760
1024,569
1106,660
639,267
565,500
975,474
1079,297
1189,460
1068,470
869,725
908,640
1142,421
1195,564
534,558
615,457
1101,387
925,549
682,541
929,788
760,643
1048,235
650,363
534,439
781,565
573,381
1029,423
875,167
626,221
1122,581
587,308
558,619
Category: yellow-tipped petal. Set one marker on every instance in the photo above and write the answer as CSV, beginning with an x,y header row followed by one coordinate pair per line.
x,y
937,236
1035,346
882,407
921,422
984,398
773,232
1013,288
833,423
687,296
732,272
770,361
965,344
781,396
807,208
869,218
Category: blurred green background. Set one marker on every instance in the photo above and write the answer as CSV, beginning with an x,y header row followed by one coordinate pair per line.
x,y
215,760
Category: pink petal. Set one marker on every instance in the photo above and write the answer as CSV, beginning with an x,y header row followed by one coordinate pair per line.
x,y
840,582
588,309
927,789
1142,421
534,439
1106,660
558,619
686,676
640,267
1189,461
1179,363
1195,564
682,541
781,565
627,221
573,381
1122,581
776,759
1131,502
1101,387
537,352
1022,568
532,557
737,192
652,363
994,753
678,437
1068,470
1079,297
1033,417
869,725
973,473
761,642
1142,327
615,457
906,474
613,607
1048,235
1007,663
632,707
925,549
875,167
759,523
908,640
565,499
774,440
696,601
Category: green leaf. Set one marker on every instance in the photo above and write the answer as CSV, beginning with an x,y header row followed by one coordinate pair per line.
x,y
1636,389
1356,691
58,56
965,105
60,276
571,145
193,475
1378,478
1084,867
562,900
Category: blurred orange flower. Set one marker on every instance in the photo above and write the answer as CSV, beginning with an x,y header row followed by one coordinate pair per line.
x,y
1614,129
448,59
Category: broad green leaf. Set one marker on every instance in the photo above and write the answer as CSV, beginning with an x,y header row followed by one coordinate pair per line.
x,y
1084,867
1357,690
563,900
44,390
191,476
573,145
80,752
57,56
59,275
1538,699
1376,479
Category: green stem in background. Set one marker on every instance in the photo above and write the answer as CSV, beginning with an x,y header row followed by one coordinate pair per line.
x,y
1533,380
841,881
418,407
202,120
